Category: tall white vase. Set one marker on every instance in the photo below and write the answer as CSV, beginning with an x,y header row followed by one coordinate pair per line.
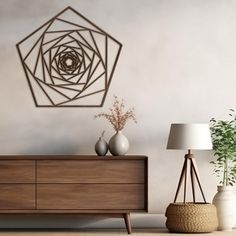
x,y
225,200
118,144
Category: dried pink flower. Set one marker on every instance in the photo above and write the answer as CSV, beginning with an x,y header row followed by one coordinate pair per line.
x,y
117,116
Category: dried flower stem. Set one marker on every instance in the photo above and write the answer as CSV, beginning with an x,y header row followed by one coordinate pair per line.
x,y
117,116
103,133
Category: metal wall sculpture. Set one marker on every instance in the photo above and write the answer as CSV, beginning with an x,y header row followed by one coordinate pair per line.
x,y
69,61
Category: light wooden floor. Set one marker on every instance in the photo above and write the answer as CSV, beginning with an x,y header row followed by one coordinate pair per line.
x,y
99,232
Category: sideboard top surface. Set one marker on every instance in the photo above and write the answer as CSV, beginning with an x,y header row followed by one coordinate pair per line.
x,y
71,157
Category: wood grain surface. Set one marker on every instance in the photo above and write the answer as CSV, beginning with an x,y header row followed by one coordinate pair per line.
x,y
91,196
17,196
17,171
72,157
90,171
74,184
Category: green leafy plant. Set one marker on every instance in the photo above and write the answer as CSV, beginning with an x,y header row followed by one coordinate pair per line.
x,y
223,134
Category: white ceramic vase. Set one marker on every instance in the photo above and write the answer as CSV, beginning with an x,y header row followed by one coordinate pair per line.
x,y
225,200
118,144
101,147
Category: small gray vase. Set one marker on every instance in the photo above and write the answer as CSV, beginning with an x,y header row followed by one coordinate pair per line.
x,y
101,147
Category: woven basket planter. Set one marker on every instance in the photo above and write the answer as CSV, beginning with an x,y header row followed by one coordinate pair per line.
x,y
191,217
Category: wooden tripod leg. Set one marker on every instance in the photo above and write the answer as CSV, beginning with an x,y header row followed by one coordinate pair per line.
x,y
180,179
199,184
127,222
185,179
192,179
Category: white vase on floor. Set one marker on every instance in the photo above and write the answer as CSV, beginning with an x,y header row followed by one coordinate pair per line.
x,y
118,144
225,200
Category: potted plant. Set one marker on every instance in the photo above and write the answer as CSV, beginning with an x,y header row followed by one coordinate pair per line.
x,y
118,117
224,145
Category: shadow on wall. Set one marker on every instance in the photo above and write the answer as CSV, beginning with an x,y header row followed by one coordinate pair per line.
x,y
76,222
32,10
49,221
43,139
50,146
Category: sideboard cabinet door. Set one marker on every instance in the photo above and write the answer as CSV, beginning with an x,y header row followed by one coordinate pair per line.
x,y
17,171
91,171
91,196
17,196
92,184
17,185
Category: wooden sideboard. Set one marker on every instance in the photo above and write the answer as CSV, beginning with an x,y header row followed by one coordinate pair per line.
x,y
71,184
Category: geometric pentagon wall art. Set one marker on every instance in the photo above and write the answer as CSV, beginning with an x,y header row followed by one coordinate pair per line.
x,y
69,61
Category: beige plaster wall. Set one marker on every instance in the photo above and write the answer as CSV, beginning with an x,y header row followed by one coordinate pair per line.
x,y
177,65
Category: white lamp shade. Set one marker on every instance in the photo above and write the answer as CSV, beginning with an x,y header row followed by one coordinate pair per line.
x,y
189,136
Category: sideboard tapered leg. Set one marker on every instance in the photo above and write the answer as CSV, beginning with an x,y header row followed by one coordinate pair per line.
x,y
127,222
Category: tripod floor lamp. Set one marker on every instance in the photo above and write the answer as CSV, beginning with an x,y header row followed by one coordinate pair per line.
x,y
183,216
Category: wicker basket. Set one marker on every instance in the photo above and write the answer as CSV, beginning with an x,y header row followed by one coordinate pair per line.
x,y
191,217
